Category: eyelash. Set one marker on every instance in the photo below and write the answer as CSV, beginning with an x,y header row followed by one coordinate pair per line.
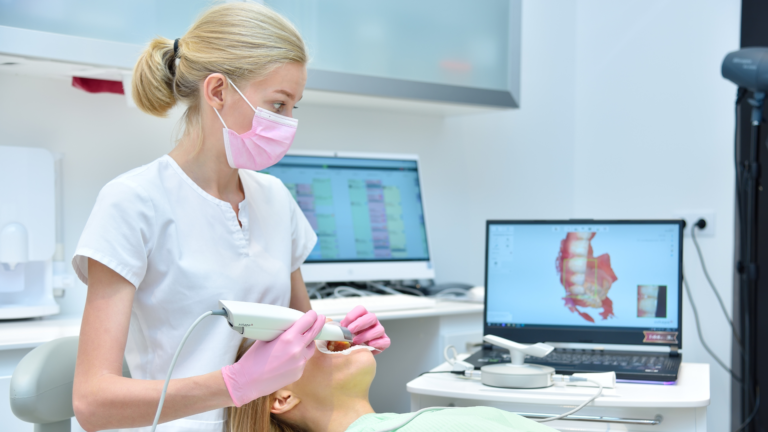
x,y
281,105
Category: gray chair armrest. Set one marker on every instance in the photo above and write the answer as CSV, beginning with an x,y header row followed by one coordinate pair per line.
x,y
41,385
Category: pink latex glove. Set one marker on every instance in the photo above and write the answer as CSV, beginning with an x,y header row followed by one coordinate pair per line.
x,y
269,366
366,328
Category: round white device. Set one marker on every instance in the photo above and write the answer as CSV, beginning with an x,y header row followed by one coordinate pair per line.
x,y
517,373
525,376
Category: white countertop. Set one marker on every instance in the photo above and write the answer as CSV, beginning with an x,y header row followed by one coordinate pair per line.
x,y
690,391
20,334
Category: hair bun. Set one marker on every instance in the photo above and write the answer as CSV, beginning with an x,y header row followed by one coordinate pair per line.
x,y
152,84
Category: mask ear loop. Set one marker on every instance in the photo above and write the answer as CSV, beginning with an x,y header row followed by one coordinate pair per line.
x,y
241,94
222,120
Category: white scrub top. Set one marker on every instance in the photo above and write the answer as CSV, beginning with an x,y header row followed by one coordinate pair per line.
x,y
184,250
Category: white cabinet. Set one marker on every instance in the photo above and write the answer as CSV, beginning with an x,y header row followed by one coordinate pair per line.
x,y
449,51
451,44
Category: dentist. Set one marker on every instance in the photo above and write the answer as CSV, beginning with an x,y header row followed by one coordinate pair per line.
x,y
167,240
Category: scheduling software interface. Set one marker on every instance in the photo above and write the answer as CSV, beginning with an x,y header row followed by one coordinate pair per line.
x,y
624,275
360,209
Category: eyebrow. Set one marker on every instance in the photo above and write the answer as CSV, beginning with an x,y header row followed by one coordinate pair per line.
x,y
289,94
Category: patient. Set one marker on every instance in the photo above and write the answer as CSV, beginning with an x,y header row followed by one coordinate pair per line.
x,y
332,396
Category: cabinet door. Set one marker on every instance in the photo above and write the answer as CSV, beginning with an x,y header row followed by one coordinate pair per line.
x,y
453,51
132,22
452,42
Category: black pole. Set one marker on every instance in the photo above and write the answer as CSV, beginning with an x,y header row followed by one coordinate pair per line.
x,y
749,275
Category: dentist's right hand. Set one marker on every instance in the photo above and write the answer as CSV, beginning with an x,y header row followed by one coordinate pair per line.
x,y
269,366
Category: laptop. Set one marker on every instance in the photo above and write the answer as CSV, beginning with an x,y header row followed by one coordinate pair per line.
x,y
606,294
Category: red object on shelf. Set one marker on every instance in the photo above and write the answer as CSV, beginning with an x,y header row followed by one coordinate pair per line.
x,y
92,85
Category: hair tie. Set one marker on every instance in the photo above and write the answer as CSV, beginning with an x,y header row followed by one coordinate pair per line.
x,y
176,48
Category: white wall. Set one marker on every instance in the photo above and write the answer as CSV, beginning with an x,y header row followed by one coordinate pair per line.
x,y
654,135
616,99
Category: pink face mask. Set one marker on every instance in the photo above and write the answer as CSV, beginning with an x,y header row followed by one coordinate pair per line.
x,y
264,145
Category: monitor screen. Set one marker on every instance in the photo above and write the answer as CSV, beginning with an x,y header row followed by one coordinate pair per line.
x,y
362,209
570,281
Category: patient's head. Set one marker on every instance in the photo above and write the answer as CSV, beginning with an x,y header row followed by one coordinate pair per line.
x,y
329,383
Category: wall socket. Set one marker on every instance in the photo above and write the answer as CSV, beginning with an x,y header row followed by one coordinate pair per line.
x,y
692,216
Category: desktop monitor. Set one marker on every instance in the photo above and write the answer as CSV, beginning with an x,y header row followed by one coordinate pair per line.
x,y
594,282
367,212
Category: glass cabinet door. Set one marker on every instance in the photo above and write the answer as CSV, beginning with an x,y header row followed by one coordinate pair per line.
x,y
453,42
455,51
126,21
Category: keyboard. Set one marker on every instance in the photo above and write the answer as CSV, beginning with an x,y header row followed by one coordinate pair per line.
x,y
627,365
380,303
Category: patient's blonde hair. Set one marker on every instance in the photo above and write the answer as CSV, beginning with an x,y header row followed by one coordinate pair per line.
x,y
243,41
255,416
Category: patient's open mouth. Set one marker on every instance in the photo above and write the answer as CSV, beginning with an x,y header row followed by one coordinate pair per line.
x,y
341,347
336,346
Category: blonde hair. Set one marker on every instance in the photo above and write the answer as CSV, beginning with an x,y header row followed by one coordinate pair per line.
x,y
255,416
243,41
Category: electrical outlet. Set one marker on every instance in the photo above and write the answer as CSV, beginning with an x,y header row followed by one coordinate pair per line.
x,y
692,216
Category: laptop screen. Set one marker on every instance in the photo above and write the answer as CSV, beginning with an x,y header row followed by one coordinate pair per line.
x,y
611,282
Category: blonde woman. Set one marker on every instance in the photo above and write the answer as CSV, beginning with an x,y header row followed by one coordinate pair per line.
x,y
332,396
167,240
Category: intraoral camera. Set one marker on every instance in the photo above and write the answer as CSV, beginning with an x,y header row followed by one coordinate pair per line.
x,y
266,322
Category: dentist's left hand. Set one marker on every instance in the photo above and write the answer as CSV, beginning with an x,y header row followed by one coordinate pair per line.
x,y
366,328
269,366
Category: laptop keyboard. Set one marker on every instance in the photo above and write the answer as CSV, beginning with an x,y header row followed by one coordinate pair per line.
x,y
638,365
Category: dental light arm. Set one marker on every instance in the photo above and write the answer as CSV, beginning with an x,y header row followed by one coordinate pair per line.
x,y
254,321
518,351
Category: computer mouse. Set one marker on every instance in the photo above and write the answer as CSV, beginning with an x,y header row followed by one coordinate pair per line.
x,y
476,294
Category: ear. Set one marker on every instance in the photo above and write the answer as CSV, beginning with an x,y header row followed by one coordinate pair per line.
x,y
213,90
284,401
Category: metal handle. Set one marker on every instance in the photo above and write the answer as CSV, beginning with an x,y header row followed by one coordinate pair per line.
x,y
656,420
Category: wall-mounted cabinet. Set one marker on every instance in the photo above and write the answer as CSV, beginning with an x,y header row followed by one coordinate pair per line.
x,y
453,52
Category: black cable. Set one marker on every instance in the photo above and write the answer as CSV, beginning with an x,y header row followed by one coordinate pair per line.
x,y
752,415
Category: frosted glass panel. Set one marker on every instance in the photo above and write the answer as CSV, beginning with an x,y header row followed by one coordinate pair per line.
x,y
128,21
457,42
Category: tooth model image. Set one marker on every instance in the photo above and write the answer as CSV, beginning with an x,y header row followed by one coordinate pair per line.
x,y
586,278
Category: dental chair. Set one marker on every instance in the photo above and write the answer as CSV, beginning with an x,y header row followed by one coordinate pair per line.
x,y
41,385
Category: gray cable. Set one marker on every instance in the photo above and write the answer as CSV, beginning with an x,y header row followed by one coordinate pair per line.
x,y
452,293
701,337
709,279
384,288
343,291
173,363
557,417
597,395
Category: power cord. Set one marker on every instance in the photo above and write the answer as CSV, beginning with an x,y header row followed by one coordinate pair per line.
x,y
752,415
701,337
701,224
173,362
573,411
561,378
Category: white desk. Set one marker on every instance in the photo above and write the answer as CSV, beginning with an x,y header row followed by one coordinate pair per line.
x,y
682,407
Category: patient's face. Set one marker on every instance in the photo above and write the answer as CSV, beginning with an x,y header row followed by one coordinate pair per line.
x,y
326,374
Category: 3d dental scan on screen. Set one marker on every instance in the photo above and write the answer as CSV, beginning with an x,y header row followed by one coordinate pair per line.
x,y
587,282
